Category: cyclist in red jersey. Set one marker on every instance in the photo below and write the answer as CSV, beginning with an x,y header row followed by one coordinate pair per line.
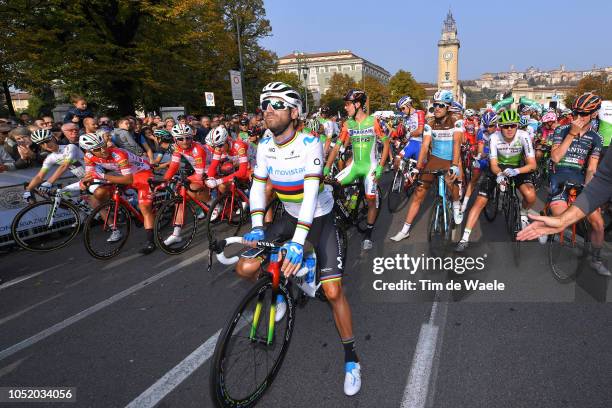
x,y
135,173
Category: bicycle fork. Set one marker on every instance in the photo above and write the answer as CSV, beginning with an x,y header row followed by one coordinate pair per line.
x,y
274,269
51,215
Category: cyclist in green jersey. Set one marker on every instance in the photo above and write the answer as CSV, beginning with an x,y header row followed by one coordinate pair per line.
x,y
327,133
361,130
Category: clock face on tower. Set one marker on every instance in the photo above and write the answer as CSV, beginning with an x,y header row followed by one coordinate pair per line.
x,y
448,56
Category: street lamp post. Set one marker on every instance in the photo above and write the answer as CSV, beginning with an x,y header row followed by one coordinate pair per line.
x,y
241,64
302,68
305,74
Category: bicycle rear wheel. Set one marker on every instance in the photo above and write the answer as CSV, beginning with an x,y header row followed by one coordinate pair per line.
x,y
251,348
514,226
174,215
440,228
37,229
101,240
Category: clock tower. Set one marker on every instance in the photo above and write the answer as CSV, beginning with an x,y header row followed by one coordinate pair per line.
x,y
448,57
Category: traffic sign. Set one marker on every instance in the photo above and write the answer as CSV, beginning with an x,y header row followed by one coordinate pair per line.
x,y
238,102
210,98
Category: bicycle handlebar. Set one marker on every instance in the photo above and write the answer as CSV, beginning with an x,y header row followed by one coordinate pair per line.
x,y
219,246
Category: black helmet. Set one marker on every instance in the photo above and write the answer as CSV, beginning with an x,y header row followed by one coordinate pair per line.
x,y
244,122
356,95
325,110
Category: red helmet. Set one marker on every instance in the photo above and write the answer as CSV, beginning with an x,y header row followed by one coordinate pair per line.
x,y
587,102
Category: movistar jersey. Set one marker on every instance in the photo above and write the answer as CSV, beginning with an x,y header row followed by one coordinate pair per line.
x,y
511,153
362,136
295,169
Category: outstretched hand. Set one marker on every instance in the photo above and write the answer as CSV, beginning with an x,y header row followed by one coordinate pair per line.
x,y
542,225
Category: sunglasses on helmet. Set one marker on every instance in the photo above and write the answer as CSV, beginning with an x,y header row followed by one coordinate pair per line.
x,y
276,104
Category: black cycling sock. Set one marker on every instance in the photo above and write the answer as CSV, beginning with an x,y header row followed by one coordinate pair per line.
x,y
368,231
149,234
349,350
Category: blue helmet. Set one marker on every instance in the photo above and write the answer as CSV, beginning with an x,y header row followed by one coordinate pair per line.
x,y
444,96
524,120
489,118
456,107
404,100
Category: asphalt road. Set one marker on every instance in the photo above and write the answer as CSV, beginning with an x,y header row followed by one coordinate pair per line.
x,y
140,330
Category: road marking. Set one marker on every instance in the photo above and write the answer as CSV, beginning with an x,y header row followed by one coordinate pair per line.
x,y
73,284
93,309
32,275
425,360
173,378
121,261
27,309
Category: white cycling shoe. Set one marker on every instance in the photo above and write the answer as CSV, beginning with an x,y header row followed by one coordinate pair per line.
x,y
172,239
281,308
352,378
115,236
399,236
215,214
457,213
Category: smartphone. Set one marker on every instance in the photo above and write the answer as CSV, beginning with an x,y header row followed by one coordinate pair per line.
x,y
252,253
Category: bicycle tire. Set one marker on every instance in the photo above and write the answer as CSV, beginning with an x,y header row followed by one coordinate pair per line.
x,y
565,258
165,217
218,376
490,210
436,227
124,218
516,226
26,238
396,193
361,220
229,220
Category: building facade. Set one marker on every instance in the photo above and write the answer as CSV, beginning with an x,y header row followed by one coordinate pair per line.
x,y
542,94
315,70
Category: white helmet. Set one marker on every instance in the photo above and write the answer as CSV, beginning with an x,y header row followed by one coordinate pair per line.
x,y
469,112
181,130
217,136
90,141
282,91
41,135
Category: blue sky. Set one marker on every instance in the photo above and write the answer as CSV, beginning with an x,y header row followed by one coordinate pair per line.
x,y
404,34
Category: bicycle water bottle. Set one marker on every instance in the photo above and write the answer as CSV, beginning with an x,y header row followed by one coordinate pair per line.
x,y
353,202
311,264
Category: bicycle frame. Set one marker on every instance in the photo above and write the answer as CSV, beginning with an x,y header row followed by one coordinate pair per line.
x,y
120,201
226,211
274,270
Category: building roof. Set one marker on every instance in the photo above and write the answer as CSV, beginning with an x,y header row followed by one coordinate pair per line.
x,y
20,96
319,56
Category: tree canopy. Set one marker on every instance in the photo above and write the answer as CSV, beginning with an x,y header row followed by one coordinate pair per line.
x,y
402,83
595,83
134,54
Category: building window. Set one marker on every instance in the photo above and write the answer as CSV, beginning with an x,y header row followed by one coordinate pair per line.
x,y
358,67
321,70
333,69
346,68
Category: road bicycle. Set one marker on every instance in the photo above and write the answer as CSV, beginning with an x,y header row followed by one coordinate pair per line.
x,y
108,226
511,207
228,212
178,214
565,252
351,205
251,347
402,186
542,171
441,220
51,223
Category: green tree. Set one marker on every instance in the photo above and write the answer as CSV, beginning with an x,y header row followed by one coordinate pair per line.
x,y
339,84
135,54
378,94
402,83
595,83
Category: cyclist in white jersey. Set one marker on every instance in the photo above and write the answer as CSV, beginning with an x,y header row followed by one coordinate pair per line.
x,y
293,162
66,157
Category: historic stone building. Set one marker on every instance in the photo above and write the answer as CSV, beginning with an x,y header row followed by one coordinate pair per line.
x,y
316,69
503,81
448,59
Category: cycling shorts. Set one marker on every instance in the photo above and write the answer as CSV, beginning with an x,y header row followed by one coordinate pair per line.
x,y
362,170
411,150
557,182
141,184
323,236
488,182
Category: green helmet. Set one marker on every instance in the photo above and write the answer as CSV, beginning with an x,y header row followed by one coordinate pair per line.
x,y
508,117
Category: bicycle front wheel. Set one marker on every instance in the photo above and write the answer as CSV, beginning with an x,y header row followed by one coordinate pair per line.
x,y
440,225
490,210
42,227
251,348
565,255
396,193
107,229
175,227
